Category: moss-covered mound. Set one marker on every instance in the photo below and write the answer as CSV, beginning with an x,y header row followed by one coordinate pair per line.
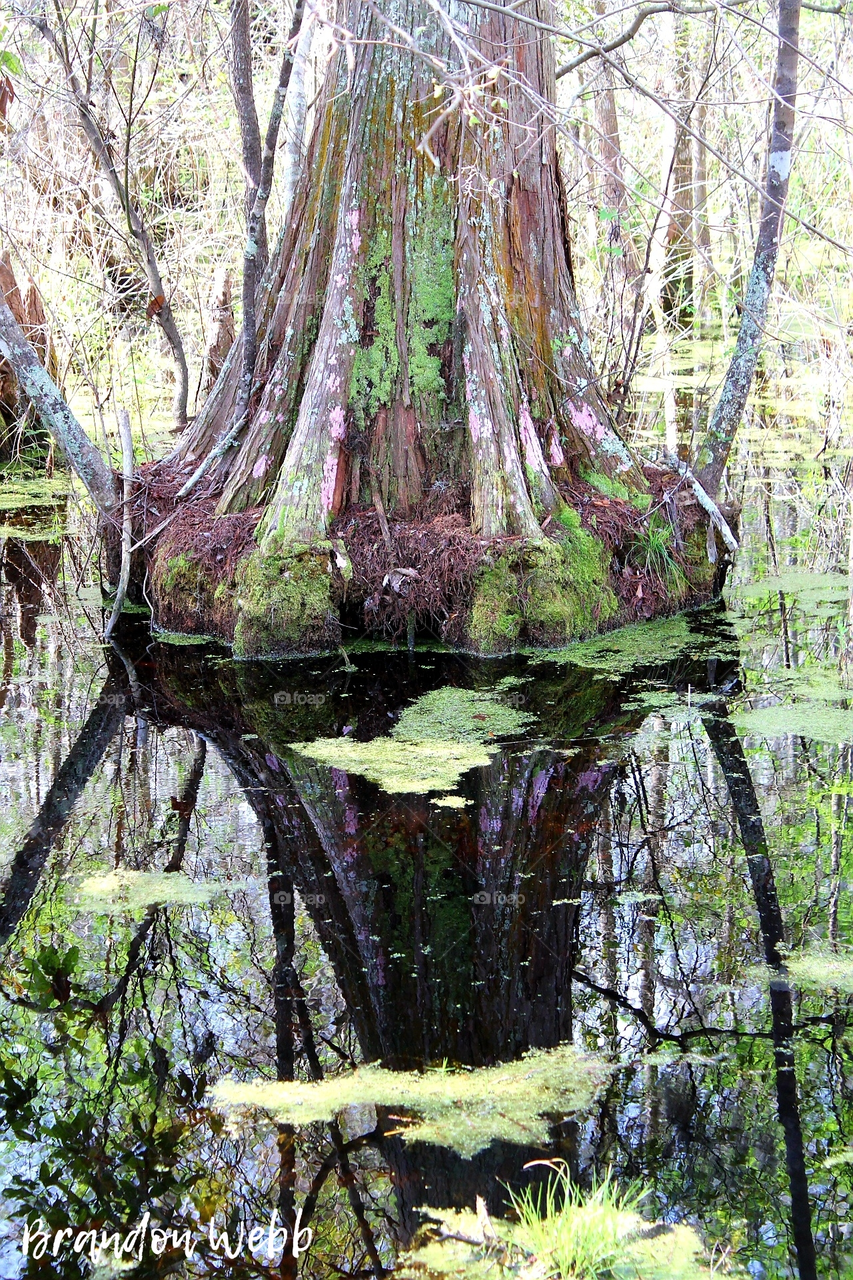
x,y
543,593
284,601
597,566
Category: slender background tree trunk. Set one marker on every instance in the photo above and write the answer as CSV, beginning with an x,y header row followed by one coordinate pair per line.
x,y
732,402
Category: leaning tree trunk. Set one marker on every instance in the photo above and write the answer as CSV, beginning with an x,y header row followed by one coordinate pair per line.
x,y
418,335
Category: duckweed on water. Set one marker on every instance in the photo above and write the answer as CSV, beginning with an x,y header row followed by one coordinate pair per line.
x,y
17,492
648,644
461,715
813,720
463,1110
399,767
809,590
125,891
438,738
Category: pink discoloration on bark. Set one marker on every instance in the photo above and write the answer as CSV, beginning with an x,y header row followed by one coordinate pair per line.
x,y
474,424
337,422
337,431
555,449
353,218
529,440
586,421
261,467
330,476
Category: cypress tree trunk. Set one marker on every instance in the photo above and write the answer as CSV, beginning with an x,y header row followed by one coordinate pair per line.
x,y
418,336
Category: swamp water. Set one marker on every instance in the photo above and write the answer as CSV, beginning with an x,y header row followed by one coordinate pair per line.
x,y
630,861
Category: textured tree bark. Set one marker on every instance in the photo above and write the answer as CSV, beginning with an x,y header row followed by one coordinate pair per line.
x,y
418,335
220,329
730,755
732,402
509,289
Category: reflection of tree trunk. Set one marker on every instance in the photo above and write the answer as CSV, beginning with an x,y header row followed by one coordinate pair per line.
x,y
187,802
729,752
28,863
31,568
607,923
839,825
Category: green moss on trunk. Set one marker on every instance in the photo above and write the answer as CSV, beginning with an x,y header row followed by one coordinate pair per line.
x,y
284,602
545,593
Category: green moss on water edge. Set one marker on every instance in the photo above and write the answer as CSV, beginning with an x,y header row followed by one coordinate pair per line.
x,y
284,601
496,615
463,1110
646,644
177,637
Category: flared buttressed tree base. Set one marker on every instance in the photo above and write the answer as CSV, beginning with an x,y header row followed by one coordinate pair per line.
x,y
425,436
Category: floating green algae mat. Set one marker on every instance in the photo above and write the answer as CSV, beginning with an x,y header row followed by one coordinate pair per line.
x,y
464,1110
399,766
438,738
125,891
181,638
648,644
462,715
809,589
17,492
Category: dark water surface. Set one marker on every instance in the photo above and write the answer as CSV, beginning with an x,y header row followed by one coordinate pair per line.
x,y
658,834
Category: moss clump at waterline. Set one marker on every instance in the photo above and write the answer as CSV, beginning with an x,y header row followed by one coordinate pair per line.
x,y
188,600
508,594
544,593
284,601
